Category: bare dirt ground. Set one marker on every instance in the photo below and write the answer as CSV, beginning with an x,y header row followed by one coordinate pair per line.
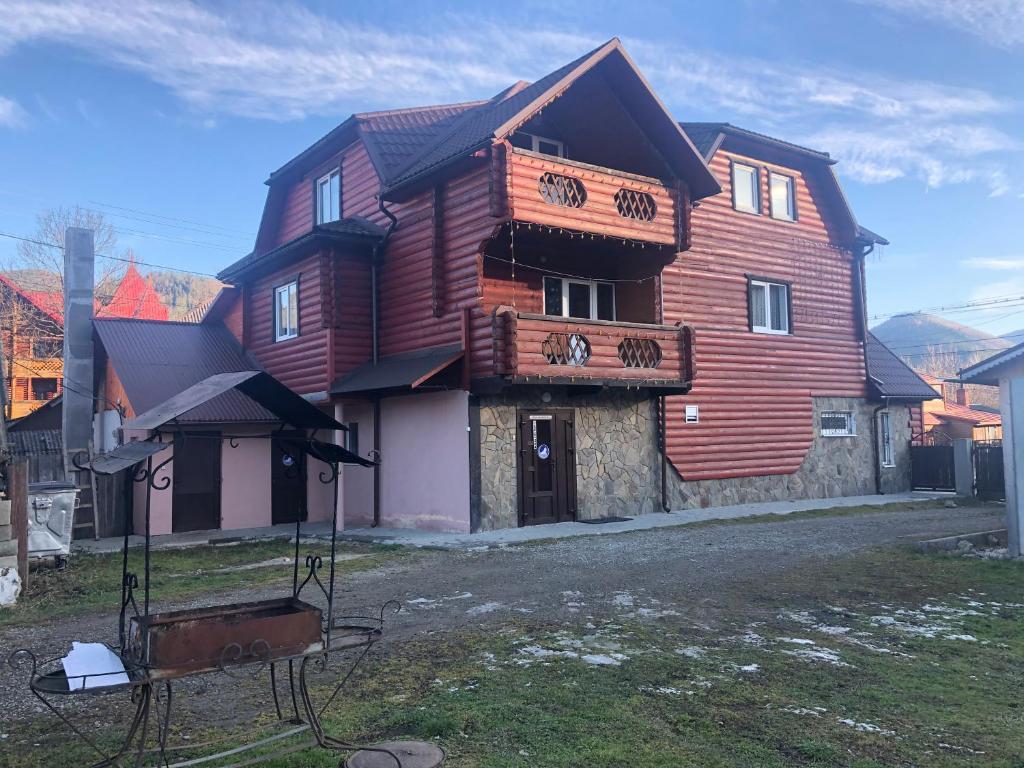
x,y
706,576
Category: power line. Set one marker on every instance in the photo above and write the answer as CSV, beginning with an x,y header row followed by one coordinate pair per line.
x,y
942,345
994,301
168,218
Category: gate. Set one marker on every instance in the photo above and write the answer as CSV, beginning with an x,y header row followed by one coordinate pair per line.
x,y
989,481
931,468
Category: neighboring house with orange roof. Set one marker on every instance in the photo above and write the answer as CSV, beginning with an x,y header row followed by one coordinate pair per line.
x,y
953,417
32,334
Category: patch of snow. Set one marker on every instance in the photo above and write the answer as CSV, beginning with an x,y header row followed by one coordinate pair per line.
x,y
692,652
835,631
819,653
601,659
865,727
955,748
800,617
623,600
796,640
480,610
750,668
661,689
809,711
967,638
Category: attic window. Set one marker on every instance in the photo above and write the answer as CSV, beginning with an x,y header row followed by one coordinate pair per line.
x,y
539,144
328,197
782,199
746,188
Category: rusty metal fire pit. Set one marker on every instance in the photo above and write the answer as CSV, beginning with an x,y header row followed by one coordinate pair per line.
x,y
207,639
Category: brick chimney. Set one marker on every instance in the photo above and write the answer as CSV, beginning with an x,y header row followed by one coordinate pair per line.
x,y
961,396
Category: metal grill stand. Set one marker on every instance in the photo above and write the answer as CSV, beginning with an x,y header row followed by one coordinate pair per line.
x,y
284,636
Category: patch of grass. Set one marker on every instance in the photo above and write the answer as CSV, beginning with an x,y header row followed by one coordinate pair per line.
x,y
93,582
927,701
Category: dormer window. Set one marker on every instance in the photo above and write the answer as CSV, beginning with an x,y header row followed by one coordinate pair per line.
x,y
328,197
746,188
535,143
783,196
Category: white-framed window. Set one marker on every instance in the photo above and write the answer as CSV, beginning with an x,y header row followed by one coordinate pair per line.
x,y
885,439
746,188
782,196
286,311
838,424
328,197
536,143
769,306
585,299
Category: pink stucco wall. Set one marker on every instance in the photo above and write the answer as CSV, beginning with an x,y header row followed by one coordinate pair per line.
x,y
358,491
245,483
160,503
425,461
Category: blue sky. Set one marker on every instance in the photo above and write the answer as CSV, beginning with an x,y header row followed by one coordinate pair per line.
x,y
169,116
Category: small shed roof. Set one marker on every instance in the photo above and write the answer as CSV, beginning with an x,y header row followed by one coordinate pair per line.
x,y
156,360
892,379
397,371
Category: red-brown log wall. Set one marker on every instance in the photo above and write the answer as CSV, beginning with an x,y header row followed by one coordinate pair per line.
x,y
407,321
300,363
754,390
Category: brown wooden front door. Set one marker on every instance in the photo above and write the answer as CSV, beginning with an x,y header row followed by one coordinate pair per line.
x,y
287,483
195,494
547,467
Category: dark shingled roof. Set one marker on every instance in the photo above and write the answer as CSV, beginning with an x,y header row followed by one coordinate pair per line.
x,y
156,360
353,230
704,131
705,137
891,378
480,124
394,137
397,371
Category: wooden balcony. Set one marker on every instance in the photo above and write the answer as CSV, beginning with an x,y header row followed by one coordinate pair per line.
x,y
539,348
563,194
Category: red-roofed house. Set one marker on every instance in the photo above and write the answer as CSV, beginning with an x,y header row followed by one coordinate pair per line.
x,y
32,334
952,416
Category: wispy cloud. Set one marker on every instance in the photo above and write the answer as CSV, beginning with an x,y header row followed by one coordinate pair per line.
x,y
997,22
998,264
11,113
285,62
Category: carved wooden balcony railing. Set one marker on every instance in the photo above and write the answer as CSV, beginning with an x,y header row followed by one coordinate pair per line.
x,y
569,195
541,347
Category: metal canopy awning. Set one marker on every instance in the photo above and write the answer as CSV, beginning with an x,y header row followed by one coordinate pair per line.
x,y
125,456
409,370
260,387
329,453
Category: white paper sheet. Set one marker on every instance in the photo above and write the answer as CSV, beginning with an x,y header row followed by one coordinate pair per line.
x,y
100,665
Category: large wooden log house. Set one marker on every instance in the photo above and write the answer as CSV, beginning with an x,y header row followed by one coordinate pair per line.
x,y
559,303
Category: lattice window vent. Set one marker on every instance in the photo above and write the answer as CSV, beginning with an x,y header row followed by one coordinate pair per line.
x,y
566,349
639,353
566,191
635,205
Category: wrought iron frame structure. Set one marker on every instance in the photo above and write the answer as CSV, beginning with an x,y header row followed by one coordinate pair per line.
x,y
151,688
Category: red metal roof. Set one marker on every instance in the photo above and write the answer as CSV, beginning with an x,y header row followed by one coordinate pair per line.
x,y
134,297
50,303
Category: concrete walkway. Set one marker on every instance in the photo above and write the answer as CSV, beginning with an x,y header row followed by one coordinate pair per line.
x,y
507,536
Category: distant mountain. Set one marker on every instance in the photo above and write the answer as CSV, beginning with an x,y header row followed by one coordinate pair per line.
x,y
941,347
1014,337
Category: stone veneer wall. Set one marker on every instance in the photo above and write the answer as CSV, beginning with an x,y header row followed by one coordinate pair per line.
x,y
834,466
618,466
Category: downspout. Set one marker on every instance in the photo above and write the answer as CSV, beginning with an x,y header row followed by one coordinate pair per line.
x,y
378,252
663,439
862,321
874,441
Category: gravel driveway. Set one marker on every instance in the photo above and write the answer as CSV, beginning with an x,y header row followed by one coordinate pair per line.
x,y
699,575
